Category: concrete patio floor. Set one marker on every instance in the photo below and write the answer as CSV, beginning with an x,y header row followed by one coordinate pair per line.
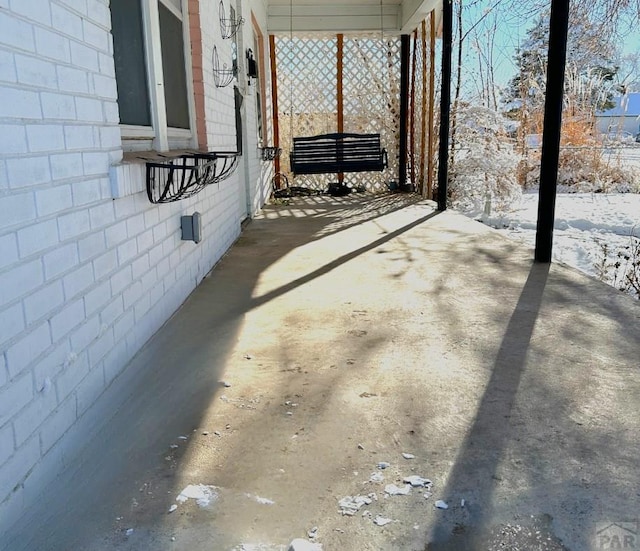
x,y
352,330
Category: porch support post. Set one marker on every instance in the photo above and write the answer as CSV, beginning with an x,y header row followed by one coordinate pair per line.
x,y
274,101
340,87
558,25
404,108
412,115
423,120
432,101
340,91
445,103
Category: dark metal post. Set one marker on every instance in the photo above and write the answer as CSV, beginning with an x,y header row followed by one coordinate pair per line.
x,y
404,109
445,103
556,58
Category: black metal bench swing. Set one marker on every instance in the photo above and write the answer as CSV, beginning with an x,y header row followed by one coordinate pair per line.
x,y
338,152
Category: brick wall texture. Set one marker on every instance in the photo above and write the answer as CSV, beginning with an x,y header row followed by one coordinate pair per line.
x,y
87,276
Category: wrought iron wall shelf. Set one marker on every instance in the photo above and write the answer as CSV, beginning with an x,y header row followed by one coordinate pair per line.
x,y
224,164
228,26
270,153
180,177
222,75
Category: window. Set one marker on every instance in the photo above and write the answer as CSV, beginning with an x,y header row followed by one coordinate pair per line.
x,y
151,45
173,67
234,45
129,55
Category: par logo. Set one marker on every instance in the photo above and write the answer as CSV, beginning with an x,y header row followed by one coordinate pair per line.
x,y
617,535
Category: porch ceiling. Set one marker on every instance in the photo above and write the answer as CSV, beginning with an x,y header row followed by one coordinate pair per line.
x,y
397,17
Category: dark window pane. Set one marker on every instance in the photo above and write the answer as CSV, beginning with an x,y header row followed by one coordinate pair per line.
x,y
234,45
259,111
256,48
173,67
129,56
238,100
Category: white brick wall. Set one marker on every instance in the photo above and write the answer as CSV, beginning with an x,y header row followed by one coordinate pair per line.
x,y
4,377
8,250
45,137
6,443
12,321
53,199
29,348
21,174
37,237
19,280
12,139
52,45
89,269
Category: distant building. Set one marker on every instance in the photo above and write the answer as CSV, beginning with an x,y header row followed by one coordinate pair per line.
x,y
624,117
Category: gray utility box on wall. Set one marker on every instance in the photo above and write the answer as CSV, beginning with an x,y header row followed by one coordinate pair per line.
x,y
191,227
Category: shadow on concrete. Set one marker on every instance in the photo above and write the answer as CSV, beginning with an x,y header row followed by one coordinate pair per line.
x,y
510,403
326,268
544,461
475,472
125,441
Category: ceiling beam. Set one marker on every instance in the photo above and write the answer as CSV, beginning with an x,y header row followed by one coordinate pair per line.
x,y
303,16
334,18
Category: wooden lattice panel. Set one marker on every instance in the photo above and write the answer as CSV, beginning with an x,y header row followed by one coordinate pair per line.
x,y
421,131
417,149
307,84
371,76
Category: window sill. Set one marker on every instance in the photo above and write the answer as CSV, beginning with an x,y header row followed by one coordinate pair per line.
x,y
140,139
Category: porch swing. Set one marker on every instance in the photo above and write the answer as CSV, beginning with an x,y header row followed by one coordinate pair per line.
x,y
337,152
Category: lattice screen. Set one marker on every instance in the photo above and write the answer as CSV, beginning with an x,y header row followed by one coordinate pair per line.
x,y
307,81
307,88
371,89
420,132
416,158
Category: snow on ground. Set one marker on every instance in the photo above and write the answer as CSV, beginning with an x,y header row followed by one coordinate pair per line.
x,y
586,224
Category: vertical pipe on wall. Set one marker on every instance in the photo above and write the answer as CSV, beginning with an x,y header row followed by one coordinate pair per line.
x,y
558,26
445,103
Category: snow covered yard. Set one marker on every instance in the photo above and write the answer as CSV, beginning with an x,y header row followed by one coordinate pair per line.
x,y
588,227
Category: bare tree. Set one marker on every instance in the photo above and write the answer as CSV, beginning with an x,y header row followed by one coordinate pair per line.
x,y
462,36
491,16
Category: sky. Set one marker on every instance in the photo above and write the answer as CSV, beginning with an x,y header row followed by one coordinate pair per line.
x,y
510,29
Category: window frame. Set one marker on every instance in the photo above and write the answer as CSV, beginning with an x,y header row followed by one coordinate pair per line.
x,y
159,136
264,125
